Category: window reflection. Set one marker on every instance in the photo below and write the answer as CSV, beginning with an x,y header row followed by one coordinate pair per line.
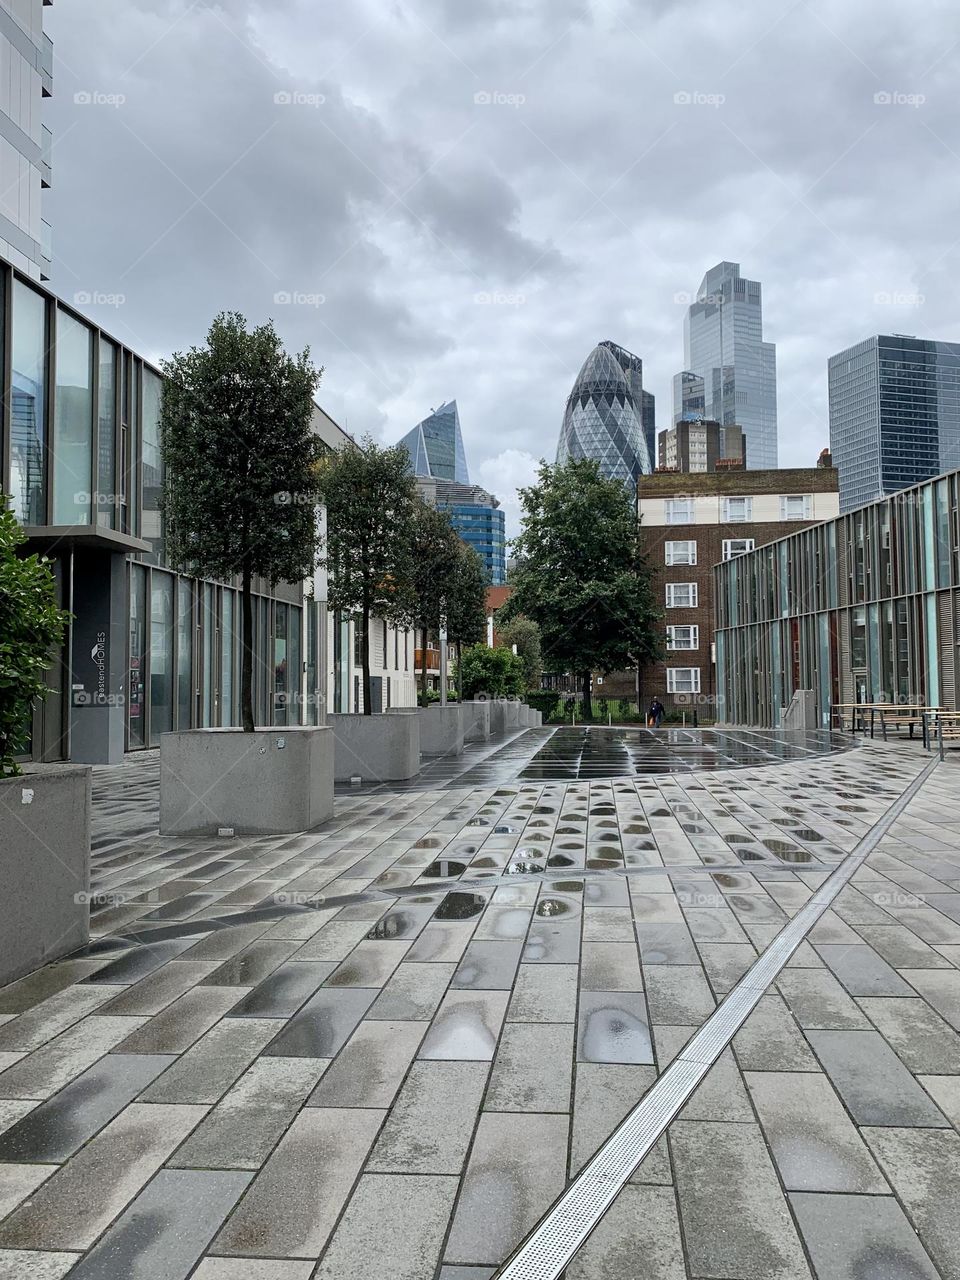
x,y
73,423
27,427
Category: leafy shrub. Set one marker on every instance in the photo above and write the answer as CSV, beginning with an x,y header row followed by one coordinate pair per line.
x,y
496,673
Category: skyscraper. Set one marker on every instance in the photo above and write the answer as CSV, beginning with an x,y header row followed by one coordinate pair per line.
x,y
894,414
603,418
436,447
727,363
26,60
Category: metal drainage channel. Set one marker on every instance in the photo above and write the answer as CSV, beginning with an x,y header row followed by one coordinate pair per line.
x,y
552,1243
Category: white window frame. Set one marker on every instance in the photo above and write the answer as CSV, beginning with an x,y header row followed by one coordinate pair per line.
x,y
694,674
678,511
730,554
694,636
730,518
686,557
806,500
692,603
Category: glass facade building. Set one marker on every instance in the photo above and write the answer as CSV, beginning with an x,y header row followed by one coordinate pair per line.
x,y
436,447
863,608
26,78
476,516
603,418
894,414
728,366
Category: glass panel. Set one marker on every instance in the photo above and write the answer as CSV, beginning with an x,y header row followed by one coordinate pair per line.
x,y
184,655
138,656
227,709
161,656
28,437
106,435
293,672
280,666
314,619
73,422
209,629
150,468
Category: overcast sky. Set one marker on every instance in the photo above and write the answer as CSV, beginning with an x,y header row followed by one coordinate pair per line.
x,y
459,198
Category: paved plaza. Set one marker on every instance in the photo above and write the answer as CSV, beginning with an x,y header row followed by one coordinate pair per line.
x,y
385,1047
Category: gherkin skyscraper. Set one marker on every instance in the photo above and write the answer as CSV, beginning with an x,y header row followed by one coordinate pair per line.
x,y
604,417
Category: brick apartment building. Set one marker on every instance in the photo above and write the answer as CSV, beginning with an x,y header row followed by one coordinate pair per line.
x,y
689,523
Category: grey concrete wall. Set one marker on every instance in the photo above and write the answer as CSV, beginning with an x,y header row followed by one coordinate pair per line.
x,y
477,721
377,748
44,866
442,730
268,782
504,716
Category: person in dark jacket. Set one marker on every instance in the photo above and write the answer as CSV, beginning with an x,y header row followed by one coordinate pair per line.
x,y
655,714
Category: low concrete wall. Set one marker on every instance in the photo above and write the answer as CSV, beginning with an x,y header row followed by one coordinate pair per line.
x,y
377,748
504,716
44,866
268,782
477,720
442,730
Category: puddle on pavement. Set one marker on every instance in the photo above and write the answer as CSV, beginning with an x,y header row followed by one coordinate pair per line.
x,y
460,906
444,868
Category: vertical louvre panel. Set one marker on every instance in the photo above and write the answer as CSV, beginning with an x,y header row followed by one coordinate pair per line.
x,y
847,688
946,603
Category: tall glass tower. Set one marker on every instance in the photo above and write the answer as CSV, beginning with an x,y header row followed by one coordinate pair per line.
x,y
724,349
894,414
26,60
436,447
604,417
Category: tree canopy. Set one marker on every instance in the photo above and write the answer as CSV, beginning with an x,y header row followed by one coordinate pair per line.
x,y
524,634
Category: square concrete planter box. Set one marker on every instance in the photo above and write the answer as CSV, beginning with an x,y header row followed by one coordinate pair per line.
x,y
477,720
44,867
524,715
537,718
268,782
504,715
442,730
384,747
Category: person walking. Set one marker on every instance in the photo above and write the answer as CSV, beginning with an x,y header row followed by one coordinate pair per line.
x,y
655,714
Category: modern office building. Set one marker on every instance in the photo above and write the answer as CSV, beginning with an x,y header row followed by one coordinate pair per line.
x,y
688,523
632,367
701,446
436,447
477,518
727,365
894,414
603,418
26,78
863,608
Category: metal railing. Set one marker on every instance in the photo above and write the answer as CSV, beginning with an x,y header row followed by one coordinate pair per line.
x,y
868,716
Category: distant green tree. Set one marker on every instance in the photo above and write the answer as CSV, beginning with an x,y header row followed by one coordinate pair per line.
x,y
434,557
370,497
525,635
239,458
580,574
466,600
493,673
31,625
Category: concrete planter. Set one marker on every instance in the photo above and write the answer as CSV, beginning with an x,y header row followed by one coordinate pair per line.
x,y
378,748
524,715
504,716
442,730
268,782
44,867
476,720
537,718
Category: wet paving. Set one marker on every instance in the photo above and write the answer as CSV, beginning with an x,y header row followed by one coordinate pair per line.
x,y
385,1046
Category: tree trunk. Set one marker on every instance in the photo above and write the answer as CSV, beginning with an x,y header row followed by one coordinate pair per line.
x,y
365,659
246,665
587,698
424,702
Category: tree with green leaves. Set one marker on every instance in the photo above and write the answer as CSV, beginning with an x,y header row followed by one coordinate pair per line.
x,y
435,553
581,575
466,601
523,636
370,498
490,673
31,626
239,457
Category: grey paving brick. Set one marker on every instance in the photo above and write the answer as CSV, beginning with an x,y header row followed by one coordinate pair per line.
x,y
603,1094
861,971
335,940
770,1040
154,1237
945,1091
514,1174
218,1059
875,1085
613,1027
294,1202
251,965
641,1223
369,964
667,942
466,1273
544,993
283,992
850,1236
818,1001
940,987
610,966
18,1181
442,941
241,1131
533,1068
721,1094
184,1021
21,1264
488,965
55,1064
901,948
225,943
370,1068
917,1034
466,1026
160,988
814,1144
414,992
724,1174
324,1024
677,994
90,1190
400,1218
608,924
12,1111
431,1123
52,1016
725,963
924,1167
252,1269
552,943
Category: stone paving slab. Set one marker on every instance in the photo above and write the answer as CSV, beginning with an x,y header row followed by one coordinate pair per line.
x,y
406,1075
